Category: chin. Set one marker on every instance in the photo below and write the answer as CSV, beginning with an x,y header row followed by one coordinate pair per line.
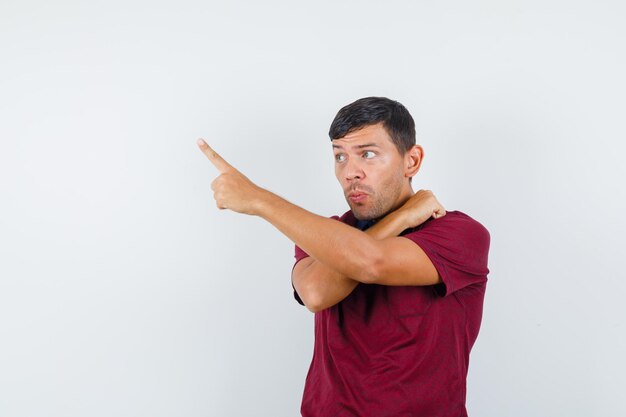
x,y
362,213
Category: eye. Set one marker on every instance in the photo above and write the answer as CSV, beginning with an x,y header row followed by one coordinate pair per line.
x,y
369,154
340,157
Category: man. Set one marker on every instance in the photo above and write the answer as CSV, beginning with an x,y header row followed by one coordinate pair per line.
x,y
396,283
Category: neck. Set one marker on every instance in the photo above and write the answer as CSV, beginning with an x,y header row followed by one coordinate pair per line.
x,y
404,197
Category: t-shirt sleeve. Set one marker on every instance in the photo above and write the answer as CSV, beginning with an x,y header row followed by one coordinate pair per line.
x,y
300,255
458,247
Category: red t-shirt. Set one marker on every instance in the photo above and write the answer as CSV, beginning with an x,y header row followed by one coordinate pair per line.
x,y
401,351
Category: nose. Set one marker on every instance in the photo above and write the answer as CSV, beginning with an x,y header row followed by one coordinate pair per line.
x,y
353,170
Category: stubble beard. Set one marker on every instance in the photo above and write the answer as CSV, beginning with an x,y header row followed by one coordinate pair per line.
x,y
379,204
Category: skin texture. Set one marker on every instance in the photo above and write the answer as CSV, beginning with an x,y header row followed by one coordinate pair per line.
x,y
342,256
366,161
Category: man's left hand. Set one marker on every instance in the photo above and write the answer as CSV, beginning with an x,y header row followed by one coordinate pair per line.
x,y
420,207
231,189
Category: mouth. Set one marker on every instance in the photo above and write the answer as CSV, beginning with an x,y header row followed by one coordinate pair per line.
x,y
357,196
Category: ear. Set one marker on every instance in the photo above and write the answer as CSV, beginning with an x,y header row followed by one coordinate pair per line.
x,y
412,160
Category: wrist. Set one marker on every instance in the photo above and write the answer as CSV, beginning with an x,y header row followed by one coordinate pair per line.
x,y
389,226
263,203
400,219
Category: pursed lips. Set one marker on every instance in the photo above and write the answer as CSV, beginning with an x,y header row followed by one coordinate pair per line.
x,y
357,195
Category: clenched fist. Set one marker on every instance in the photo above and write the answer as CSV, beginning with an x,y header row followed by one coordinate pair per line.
x,y
420,207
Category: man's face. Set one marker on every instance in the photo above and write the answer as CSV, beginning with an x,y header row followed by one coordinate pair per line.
x,y
371,172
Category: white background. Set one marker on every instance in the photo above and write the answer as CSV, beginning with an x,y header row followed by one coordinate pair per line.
x,y
125,292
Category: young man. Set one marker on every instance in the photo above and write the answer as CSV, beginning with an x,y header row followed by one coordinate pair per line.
x,y
396,283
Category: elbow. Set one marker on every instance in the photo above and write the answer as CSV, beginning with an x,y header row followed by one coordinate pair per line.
x,y
313,305
313,308
312,301
317,306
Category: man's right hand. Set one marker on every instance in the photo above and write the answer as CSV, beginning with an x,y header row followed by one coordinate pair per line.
x,y
420,207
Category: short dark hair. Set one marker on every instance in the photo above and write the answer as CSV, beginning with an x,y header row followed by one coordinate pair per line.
x,y
396,119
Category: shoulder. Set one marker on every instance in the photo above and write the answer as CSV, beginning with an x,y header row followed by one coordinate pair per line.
x,y
455,223
457,244
456,234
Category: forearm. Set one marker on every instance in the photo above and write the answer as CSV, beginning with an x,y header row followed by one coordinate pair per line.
x,y
342,248
320,286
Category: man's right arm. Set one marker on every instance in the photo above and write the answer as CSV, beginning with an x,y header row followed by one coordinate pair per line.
x,y
320,286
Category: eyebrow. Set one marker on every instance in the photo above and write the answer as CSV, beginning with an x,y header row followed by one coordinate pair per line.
x,y
366,145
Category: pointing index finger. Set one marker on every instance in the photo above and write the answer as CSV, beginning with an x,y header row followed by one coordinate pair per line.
x,y
215,158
